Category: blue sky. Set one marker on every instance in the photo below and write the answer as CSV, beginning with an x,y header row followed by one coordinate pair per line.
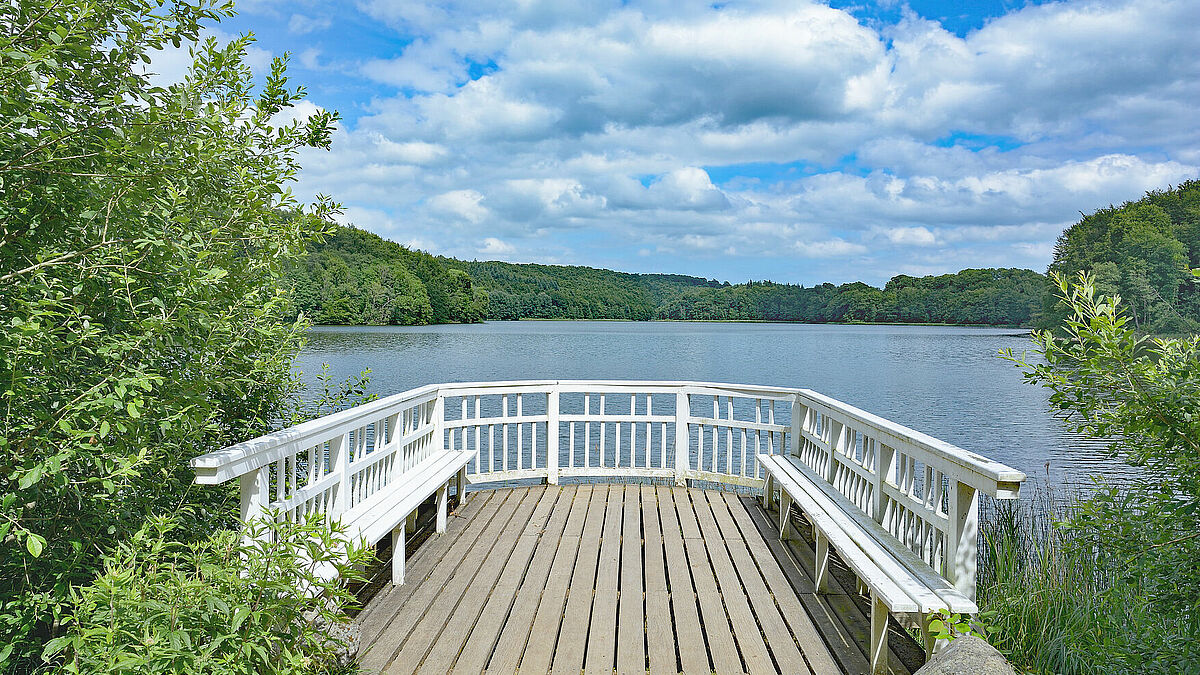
x,y
796,141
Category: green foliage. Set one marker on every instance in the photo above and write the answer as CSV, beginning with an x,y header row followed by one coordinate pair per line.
x,y
221,605
1056,608
990,297
1141,250
1112,587
143,232
354,277
946,625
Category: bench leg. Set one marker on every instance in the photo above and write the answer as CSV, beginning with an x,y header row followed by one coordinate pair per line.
x,y
879,642
410,523
442,499
785,521
822,563
461,486
927,640
398,543
768,491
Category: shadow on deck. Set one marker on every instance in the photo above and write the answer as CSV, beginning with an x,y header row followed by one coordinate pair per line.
x,y
631,578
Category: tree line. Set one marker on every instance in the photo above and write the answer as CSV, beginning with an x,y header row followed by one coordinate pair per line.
x,y
354,277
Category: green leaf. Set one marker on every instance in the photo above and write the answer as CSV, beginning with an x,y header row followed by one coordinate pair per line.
x,y
239,617
34,544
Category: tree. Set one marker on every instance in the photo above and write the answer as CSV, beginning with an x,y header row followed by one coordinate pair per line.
x,y
143,232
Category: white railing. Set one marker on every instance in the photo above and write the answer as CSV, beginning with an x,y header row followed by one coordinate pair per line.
x,y
335,465
924,491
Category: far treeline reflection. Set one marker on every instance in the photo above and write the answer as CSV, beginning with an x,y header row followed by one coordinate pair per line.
x,y
1141,250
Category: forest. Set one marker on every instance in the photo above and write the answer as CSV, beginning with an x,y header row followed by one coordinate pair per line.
x,y
1142,251
355,277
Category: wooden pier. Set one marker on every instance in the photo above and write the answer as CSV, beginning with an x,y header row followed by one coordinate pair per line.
x,y
631,578
879,525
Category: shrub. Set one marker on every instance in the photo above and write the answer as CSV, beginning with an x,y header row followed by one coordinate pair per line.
x,y
227,604
1110,584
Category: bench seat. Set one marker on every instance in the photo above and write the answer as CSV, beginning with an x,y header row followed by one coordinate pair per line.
x,y
382,514
899,581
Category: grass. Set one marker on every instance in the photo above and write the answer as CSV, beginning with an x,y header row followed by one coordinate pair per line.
x,y
1059,605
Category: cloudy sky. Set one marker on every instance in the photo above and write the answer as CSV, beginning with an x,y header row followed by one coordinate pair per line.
x,y
795,141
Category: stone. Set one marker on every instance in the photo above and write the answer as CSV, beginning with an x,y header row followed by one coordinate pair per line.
x,y
967,655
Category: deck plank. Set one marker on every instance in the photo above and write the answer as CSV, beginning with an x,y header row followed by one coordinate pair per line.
x,y
542,530
660,633
515,634
745,625
717,630
573,633
693,649
602,577
631,624
376,616
406,614
491,584
777,630
456,599
602,638
543,637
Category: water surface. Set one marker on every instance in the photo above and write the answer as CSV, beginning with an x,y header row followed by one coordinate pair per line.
x,y
945,381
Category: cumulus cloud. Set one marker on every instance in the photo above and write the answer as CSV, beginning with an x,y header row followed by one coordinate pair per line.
x,y
652,135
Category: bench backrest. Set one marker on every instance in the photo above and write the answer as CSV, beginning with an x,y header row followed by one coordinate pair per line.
x,y
922,490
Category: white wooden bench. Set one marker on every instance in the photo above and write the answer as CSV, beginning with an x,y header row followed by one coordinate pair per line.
x,y
897,579
370,467
385,512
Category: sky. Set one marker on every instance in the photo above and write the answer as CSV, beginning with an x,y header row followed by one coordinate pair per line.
x,y
795,141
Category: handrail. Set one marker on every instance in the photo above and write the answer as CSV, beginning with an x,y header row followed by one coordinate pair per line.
x,y
923,490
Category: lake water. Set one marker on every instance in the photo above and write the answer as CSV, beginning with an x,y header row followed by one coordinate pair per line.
x,y
945,381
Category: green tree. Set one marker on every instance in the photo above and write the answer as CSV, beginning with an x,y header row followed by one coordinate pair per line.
x,y
143,233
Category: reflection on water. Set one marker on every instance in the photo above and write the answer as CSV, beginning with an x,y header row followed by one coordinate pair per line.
x,y
945,381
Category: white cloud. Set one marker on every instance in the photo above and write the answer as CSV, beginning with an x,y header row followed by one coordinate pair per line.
x,y
496,247
462,204
830,248
303,25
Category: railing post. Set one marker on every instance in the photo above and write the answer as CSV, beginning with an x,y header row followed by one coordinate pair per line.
x,y
337,466
797,427
439,422
683,412
962,538
835,433
885,469
552,436
254,497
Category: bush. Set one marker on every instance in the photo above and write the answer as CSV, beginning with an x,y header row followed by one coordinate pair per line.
x,y
223,605
1109,584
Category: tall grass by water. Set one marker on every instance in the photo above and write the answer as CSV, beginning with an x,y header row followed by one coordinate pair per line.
x,y
1058,604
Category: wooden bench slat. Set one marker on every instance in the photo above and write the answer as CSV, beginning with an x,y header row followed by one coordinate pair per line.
x,y
868,569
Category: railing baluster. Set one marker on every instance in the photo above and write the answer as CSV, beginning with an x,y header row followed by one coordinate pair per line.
x,y
602,430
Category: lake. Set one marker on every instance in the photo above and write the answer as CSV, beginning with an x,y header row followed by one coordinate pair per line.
x,y
945,381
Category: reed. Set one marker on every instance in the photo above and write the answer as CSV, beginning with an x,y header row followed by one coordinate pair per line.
x,y
1057,605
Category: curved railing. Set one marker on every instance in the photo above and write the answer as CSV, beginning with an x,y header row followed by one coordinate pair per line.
x,y
924,491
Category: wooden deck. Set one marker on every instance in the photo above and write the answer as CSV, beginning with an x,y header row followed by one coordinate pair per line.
x,y
631,578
